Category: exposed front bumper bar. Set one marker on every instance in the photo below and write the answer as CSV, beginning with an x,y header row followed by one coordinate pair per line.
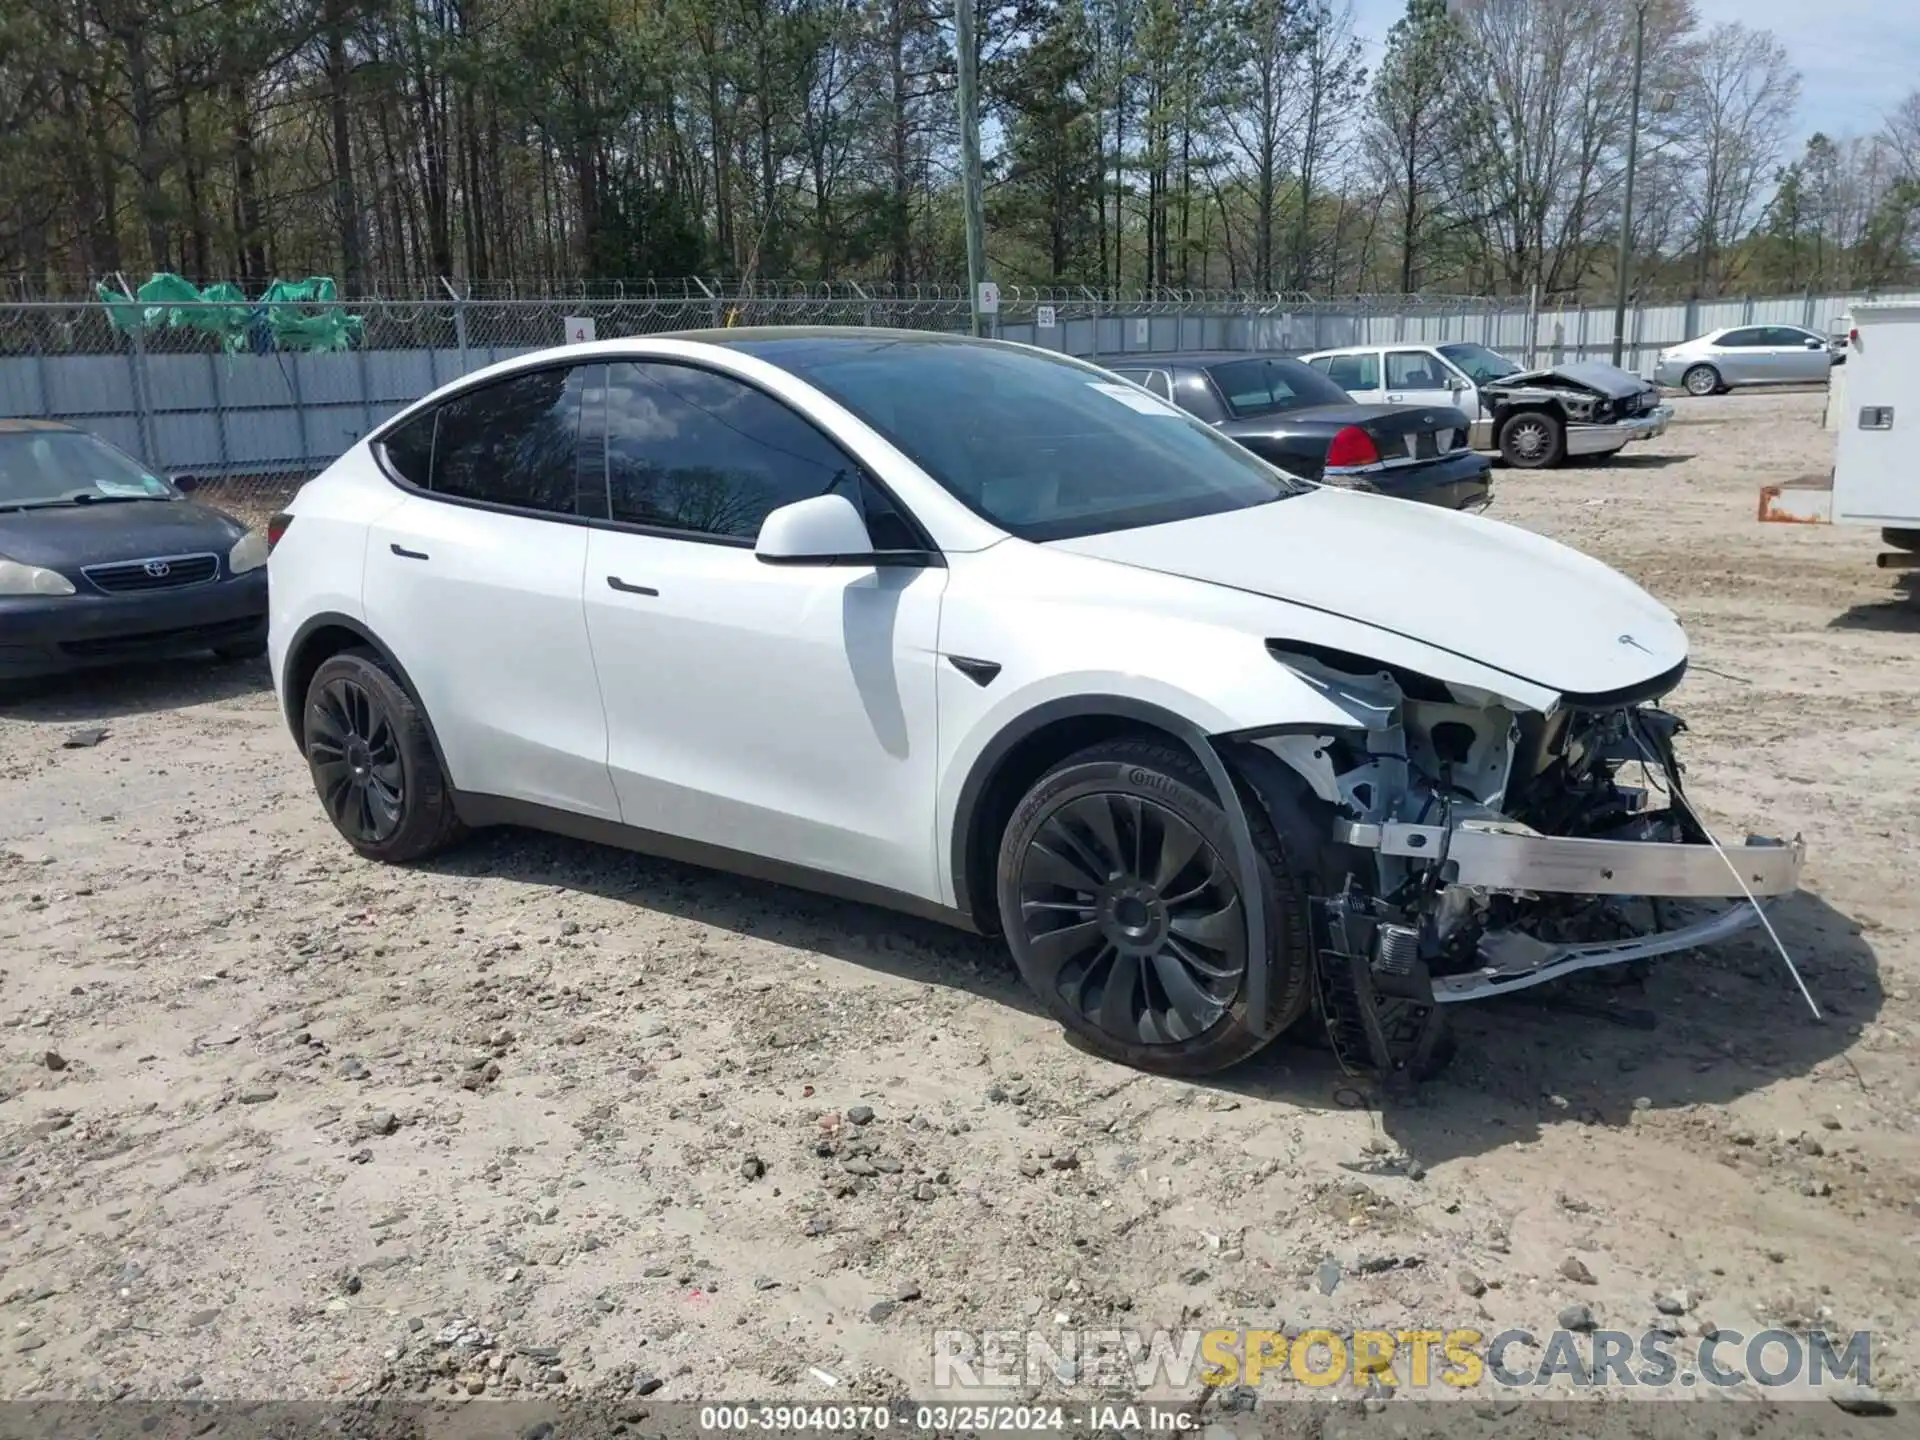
x,y
1603,439
1492,856
1511,961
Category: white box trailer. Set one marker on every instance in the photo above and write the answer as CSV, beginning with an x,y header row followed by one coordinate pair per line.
x,y
1876,469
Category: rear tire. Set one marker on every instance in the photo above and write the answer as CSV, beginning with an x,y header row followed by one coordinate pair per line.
x,y
1121,902
1701,380
1532,440
371,753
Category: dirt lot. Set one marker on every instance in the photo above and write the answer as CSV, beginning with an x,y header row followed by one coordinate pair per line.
x,y
545,1118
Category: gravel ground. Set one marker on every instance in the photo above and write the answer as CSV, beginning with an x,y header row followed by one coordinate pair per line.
x,y
545,1119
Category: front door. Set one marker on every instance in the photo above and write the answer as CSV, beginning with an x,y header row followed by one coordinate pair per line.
x,y
781,711
473,582
1417,377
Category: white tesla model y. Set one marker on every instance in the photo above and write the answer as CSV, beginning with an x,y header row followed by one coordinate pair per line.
x,y
984,632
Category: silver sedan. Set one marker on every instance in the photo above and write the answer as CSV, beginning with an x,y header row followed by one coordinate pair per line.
x,y
1745,355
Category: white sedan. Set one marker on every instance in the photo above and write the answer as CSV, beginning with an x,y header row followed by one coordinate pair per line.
x,y
986,633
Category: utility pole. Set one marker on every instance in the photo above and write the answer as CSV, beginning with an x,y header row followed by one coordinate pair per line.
x,y
969,58
1625,261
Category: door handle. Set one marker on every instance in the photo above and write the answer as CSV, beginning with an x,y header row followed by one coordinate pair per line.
x,y
625,589
406,554
1396,399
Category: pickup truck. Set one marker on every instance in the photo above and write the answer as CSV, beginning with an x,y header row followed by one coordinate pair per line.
x,y
1533,418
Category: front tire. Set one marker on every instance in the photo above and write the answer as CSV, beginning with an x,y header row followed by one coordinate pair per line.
x,y
371,754
1532,440
1701,380
1121,902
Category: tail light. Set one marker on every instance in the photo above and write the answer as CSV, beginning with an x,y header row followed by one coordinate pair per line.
x,y
277,525
1352,449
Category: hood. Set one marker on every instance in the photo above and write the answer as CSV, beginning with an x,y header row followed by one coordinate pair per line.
x,y
65,537
1609,380
1493,593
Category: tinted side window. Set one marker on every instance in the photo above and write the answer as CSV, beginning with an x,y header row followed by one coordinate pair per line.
x,y
1740,339
1788,335
691,450
409,449
1351,372
514,442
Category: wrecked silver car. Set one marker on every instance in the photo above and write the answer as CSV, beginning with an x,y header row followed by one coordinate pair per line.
x,y
1534,418
1584,408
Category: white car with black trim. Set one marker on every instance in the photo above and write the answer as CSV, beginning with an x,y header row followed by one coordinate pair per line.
x,y
1533,418
973,630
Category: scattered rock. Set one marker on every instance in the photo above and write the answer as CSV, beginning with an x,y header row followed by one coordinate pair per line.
x,y
817,1225
200,1319
765,1282
1576,1317
1470,1284
1575,1269
1193,1276
28,1343
1031,1167
859,1165
1067,1160
381,1122
861,1115
881,1309
1328,1275
1829,1122
752,1167
190,1382
1858,1399
353,1068
646,1384
257,1097
1742,1135
54,1060
909,1290
1674,1302
925,1191
84,739
1815,1188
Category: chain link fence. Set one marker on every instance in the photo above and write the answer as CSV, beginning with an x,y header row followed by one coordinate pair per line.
x,y
251,408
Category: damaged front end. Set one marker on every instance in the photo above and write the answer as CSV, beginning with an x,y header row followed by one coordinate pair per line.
x,y
1602,406
1479,847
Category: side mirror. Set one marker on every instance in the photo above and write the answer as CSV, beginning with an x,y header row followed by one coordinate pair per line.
x,y
825,530
186,484
1456,384
1813,344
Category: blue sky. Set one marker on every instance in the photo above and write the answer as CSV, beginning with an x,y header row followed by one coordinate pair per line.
x,y
1857,58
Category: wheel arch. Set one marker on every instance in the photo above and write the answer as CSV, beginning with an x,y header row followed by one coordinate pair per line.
x,y
318,640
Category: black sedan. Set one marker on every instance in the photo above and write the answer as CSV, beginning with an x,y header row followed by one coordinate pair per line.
x,y
102,561
1297,419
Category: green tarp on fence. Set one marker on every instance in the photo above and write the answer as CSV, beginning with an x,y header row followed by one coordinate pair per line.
x,y
291,315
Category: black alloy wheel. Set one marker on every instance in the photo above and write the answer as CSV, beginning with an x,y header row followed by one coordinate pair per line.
x,y
1133,918
355,756
1124,907
374,762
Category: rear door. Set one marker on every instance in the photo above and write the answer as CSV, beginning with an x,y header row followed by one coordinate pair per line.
x,y
1744,357
474,584
1355,371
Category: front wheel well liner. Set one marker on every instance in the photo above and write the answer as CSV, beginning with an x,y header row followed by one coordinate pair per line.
x,y
1007,770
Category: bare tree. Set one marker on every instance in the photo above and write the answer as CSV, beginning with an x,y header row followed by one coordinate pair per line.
x,y
1737,97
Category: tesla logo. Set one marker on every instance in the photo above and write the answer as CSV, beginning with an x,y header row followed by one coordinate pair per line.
x,y
158,569
1629,640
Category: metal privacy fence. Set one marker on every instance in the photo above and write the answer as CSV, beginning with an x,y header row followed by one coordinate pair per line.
x,y
187,398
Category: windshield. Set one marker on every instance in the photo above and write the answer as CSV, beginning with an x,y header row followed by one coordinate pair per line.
x,y
1044,448
1269,386
1478,363
66,467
